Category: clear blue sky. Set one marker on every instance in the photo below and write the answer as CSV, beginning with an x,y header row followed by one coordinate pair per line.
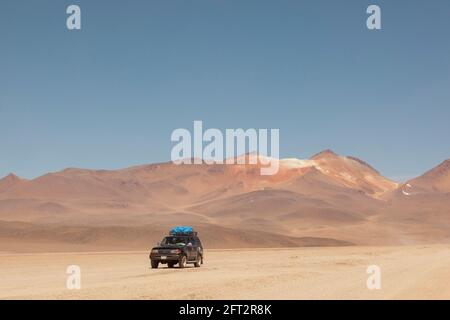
x,y
110,95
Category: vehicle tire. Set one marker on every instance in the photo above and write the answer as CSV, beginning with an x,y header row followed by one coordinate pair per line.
x,y
155,264
197,261
170,265
182,262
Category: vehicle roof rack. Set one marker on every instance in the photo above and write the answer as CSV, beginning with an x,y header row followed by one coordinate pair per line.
x,y
192,234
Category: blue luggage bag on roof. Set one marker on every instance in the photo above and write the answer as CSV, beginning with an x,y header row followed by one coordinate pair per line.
x,y
181,230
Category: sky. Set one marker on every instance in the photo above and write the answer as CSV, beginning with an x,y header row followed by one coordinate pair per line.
x,y
109,95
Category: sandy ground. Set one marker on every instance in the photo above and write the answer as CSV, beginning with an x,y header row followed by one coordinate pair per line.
x,y
409,272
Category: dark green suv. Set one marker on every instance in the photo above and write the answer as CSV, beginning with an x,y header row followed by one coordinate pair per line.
x,y
178,249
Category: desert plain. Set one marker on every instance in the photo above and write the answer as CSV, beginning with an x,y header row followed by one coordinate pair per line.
x,y
407,272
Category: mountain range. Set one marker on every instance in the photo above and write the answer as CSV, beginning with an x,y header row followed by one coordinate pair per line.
x,y
326,200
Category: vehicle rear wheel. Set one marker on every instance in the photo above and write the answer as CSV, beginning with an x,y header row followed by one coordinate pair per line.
x,y
182,262
155,264
197,261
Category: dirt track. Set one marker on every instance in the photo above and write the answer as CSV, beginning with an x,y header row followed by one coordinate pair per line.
x,y
304,273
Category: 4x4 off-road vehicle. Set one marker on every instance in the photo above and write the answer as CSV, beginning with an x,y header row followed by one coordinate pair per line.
x,y
182,247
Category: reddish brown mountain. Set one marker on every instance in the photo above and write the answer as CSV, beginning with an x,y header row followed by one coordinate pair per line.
x,y
435,180
9,181
327,196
